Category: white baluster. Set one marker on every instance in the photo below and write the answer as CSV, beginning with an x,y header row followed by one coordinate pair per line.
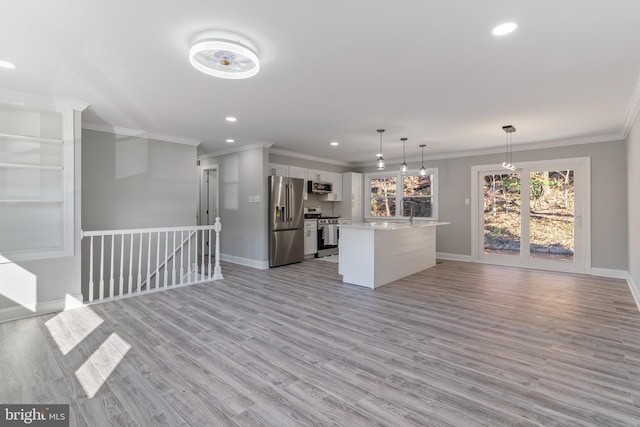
x,y
149,264
173,273
91,270
101,295
209,256
217,271
130,263
139,265
158,260
121,284
203,272
111,280
166,260
181,257
189,279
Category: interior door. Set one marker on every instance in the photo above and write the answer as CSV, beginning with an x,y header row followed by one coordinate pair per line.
x,y
536,216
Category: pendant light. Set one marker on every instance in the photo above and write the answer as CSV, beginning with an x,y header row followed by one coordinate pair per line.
x,y
423,170
403,167
380,160
507,164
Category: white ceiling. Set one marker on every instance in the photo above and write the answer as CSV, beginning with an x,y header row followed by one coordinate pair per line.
x,y
430,71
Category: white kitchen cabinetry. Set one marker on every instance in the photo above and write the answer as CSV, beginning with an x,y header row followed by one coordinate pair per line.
x,y
352,202
310,237
317,175
298,172
335,178
278,170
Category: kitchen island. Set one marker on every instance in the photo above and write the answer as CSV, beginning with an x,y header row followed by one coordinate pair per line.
x,y
373,254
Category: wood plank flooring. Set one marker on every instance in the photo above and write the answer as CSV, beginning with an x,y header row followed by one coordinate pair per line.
x,y
459,344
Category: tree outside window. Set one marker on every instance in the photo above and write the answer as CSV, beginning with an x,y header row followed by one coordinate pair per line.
x,y
383,196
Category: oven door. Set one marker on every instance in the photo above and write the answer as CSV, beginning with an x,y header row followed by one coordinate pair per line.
x,y
327,236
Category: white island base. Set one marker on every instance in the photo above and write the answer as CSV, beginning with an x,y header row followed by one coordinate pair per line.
x,y
374,254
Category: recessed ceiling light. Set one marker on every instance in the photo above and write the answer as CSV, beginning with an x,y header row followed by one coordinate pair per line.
x,y
7,64
231,119
224,59
230,141
334,143
504,29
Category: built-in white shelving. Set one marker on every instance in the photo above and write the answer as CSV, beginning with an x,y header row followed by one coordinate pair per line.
x,y
28,138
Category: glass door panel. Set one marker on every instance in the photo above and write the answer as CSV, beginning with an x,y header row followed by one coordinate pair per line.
x,y
501,213
551,215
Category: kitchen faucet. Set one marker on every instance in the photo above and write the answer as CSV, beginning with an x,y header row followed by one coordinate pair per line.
x,y
412,202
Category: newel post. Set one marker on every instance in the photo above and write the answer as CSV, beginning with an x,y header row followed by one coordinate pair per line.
x,y
217,271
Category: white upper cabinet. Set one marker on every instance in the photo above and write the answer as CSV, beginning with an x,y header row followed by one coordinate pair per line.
x,y
298,172
278,170
317,175
335,178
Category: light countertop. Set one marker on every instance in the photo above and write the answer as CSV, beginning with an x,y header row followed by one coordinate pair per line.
x,y
389,225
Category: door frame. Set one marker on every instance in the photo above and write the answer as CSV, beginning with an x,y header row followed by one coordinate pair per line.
x,y
202,171
582,209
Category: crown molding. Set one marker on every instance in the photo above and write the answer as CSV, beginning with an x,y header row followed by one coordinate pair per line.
x,y
520,147
139,133
30,100
237,149
308,157
632,110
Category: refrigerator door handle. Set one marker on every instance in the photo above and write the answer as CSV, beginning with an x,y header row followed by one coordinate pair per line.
x,y
289,200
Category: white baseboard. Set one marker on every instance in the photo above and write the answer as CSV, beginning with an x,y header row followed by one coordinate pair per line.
x,y
453,257
635,291
28,310
608,272
254,263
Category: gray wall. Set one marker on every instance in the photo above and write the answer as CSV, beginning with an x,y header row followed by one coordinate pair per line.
x,y
608,202
131,182
244,224
633,180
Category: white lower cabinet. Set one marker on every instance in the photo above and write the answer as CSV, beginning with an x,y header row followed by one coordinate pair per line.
x,y
310,237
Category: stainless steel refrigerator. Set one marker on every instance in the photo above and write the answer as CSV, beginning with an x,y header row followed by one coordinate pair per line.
x,y
286,220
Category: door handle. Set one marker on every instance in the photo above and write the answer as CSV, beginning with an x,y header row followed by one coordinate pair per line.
x,y
579,221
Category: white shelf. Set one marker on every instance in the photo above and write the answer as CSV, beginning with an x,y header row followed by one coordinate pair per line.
x,y
10,201
25,138
26,166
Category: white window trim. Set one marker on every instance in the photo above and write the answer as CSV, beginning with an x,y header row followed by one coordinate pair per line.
x,y
399,195
584,210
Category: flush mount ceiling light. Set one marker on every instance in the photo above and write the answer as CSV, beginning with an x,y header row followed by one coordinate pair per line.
x,y
335,143
231,119
504,29
380,160
403,167
7,64
230,141
509,151
224,59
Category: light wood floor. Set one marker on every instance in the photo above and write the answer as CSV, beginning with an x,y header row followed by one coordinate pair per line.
x,y
457,345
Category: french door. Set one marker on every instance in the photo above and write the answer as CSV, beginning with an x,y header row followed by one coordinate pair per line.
x,y
537,215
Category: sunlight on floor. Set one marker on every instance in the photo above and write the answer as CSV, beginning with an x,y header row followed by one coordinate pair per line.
x,y
18,284
70,327
95,371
